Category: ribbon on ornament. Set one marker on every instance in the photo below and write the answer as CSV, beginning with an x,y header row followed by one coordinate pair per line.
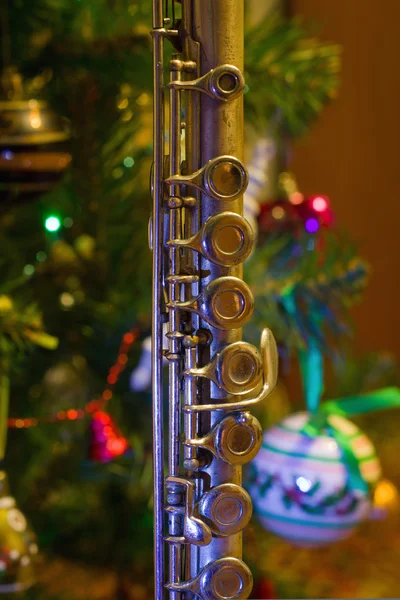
x,y
312,372
311,363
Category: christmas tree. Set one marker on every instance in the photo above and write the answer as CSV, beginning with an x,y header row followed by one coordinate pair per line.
x,y
76,283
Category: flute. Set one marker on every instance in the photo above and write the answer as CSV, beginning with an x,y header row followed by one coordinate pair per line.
x,y
200,240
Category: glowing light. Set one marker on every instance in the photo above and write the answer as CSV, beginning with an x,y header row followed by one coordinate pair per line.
x,y
303,484
143,99
67,300
278,213
35,119
386,494
319,204
72,414
52,223
296,198
29,270
123,103
41,256
7,155
311,225
128,162
127,116
93,406
123,359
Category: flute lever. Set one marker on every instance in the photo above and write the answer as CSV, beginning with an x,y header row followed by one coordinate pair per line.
x,y
269,353
223,579
225,83
223,178
236,439
225,239
195,531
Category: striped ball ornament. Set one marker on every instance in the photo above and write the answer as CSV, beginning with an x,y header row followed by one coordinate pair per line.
x,y
33,150
300,486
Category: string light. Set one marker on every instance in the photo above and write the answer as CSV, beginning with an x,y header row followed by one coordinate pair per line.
x,y
29,270
278,213
311,225
74,414
319,204
128,162
296,198
52,223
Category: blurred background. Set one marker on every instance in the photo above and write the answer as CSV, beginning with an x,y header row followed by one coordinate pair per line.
x,y
75,289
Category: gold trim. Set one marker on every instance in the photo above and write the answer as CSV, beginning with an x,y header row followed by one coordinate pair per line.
x,y
33,138
43,161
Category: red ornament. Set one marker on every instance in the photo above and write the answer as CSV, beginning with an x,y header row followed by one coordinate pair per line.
x,y
296,214
263,589
106,441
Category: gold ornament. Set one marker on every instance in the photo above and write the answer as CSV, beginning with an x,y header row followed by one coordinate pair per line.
x,y
33,143
18,546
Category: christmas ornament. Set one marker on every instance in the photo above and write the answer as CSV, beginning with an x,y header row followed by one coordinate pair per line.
x,y
18,546
33,143
314,477
293,211
17,543
302,485
106,441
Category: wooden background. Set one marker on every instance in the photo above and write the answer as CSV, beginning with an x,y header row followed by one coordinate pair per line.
x,y
352,152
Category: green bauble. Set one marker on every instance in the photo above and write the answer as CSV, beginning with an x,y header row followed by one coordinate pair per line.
x,y
33,144
18,546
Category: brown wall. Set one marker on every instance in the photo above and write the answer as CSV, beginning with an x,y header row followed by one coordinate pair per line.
x,y
352,152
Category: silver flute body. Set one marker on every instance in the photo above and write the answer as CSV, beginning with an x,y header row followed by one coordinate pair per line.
x,y
200,240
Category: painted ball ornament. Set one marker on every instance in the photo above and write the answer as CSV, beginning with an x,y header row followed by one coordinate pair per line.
x,y
301,484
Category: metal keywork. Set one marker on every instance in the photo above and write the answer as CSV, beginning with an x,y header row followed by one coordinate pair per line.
x,y
269,353
226,303
226,239
223,579
200,240
225,83
236,439
222,178
195,531
226,509
236,369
